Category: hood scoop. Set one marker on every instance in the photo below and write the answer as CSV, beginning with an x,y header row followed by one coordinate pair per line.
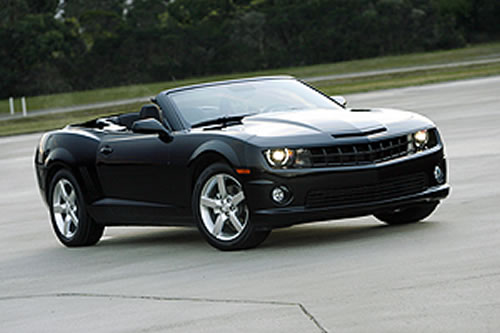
x,y
359,133
360,110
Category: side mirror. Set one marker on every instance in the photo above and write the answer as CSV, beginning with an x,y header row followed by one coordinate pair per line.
x,y
151,126
339,100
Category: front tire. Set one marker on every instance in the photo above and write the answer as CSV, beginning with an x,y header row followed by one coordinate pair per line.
x,y
70,221
221,212
407,215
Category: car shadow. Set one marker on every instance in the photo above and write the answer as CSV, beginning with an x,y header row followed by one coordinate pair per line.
x,y
161,236
306,235
318,234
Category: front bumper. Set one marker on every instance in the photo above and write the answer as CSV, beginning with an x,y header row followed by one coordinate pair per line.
x,y
329,193
286,216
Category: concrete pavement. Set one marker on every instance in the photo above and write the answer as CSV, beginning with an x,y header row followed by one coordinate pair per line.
x,y
353,275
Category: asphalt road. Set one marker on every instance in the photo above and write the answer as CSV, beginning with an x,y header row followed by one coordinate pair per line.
x,y
354,275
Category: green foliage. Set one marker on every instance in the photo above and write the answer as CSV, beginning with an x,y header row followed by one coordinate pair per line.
x,y
34,53
50,46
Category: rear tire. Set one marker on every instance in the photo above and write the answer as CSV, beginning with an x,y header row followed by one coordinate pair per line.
x,y
221,212
407,215
70,221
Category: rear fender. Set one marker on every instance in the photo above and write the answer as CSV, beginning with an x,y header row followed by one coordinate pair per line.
x,y
62,158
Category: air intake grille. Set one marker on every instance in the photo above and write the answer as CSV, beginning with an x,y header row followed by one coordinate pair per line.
x,y
359,154
385,190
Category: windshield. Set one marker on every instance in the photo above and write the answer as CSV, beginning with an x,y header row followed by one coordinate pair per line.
x,y
247,98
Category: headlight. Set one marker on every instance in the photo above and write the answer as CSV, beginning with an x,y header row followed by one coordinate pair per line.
x,y
284,157
421,138
279,157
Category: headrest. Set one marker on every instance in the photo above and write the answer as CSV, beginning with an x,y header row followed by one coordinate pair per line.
x,y
150,111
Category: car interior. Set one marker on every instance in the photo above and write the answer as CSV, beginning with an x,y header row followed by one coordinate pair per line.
x,y
125,121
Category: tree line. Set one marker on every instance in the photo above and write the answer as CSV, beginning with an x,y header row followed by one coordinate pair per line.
x,y
50,46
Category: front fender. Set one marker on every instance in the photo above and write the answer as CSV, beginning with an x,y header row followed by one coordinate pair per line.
x,y
219,147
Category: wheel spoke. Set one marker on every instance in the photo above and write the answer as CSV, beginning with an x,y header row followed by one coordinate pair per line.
x,y
238,198
219,224
58,189
67,224
59,208
72,197
209,202
235,221
63,191
221,184
74,218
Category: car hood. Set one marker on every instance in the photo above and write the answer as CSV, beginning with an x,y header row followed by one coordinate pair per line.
x,y
320,125
342,122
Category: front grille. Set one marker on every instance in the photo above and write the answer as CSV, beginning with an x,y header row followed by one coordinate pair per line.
x,y
384,190
359,154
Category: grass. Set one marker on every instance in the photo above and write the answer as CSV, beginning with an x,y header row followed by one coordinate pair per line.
x,y
58,120
476,52
331,87
397,80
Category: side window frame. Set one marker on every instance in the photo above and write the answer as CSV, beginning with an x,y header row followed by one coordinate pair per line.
x,y
170,113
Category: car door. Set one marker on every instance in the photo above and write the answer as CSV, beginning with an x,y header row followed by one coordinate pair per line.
x,y
134,173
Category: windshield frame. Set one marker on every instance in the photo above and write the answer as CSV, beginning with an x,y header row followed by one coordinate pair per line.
x,y
168,94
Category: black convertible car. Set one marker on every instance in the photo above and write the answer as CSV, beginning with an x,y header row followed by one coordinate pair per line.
x,y
237,159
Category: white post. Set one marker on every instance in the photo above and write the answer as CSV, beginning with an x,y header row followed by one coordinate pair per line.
x,y
11,104
23,104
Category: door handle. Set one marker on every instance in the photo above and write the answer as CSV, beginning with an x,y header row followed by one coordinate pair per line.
x,y
106,150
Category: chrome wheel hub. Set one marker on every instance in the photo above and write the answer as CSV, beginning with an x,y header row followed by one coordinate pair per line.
x,y
224,212
65,208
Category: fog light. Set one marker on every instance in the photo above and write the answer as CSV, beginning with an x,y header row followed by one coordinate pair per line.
x,y
279,194
438,174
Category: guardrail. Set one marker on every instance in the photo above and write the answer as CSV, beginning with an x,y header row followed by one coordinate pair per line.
x,y
23,106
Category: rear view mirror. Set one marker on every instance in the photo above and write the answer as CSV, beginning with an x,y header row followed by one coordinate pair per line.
x,y
339,100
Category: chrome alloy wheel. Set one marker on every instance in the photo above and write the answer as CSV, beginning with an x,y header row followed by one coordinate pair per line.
x,y
224,212
65,208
